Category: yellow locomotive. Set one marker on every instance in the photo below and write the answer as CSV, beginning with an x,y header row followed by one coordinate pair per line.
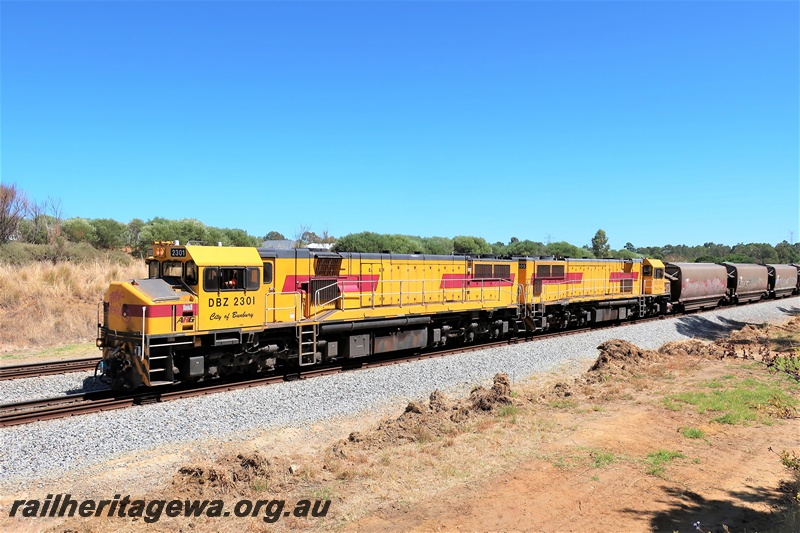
x,y
208,311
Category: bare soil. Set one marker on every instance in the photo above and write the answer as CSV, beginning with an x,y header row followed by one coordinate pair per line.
x,y
614,449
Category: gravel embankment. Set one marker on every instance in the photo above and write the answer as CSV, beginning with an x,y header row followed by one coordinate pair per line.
x,y
49,448
20,390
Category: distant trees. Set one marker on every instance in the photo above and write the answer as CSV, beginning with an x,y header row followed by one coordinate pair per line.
x,y
463,244
274,236
79,230
787,253
600,245
708,252
13,208
369,242
526,247
134,233
718,253
437,245
109,234
106,233
189,229
565,249
43,223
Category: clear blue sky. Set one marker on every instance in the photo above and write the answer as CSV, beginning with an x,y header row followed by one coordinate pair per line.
x,y
660,122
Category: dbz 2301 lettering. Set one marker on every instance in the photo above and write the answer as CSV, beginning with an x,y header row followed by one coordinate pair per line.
x,y
225,301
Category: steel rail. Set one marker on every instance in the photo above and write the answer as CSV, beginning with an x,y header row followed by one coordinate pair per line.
x,y
33,370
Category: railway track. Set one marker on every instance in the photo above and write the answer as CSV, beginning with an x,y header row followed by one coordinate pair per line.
x,y
13,414
33,370
78,404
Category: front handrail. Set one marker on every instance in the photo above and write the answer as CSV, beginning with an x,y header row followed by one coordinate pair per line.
x,y
297,305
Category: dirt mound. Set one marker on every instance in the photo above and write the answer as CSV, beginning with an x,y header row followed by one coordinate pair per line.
x,y
439,416
749,333
486,400
618,356
562,390
692,348
419,421
793,324
617,359
439,401
231,473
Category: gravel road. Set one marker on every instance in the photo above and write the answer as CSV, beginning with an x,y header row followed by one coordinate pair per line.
x,y
54,447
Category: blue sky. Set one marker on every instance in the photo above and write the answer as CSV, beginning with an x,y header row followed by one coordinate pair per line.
x,y
660,122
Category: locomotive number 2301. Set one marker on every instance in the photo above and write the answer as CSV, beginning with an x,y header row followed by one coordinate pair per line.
x,y
236,300
177,252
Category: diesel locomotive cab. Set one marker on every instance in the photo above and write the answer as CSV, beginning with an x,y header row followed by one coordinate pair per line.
x,y
142,313
197,315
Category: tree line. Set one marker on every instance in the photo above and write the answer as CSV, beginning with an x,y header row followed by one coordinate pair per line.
x,y
598,248
43,223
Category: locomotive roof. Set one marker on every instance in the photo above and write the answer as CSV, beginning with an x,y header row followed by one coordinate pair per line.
x,y
224,256
304,253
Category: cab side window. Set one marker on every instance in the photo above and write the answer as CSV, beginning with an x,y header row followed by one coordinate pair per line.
x,y
659,273
647,270
267,273
225,279
232,279
191,273
211,279
252,283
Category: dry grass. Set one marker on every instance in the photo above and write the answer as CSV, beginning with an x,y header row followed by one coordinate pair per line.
x,y
43,305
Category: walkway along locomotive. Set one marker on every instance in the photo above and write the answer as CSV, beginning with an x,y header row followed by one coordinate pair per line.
x,y
208,311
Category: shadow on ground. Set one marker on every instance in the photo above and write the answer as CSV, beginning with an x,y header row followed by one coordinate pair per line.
x,y
699,327
793,311
90,384
689,508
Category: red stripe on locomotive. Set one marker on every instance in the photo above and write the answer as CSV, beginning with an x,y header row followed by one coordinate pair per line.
x,y
157,311
572,277
347,284
619,276
461,281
